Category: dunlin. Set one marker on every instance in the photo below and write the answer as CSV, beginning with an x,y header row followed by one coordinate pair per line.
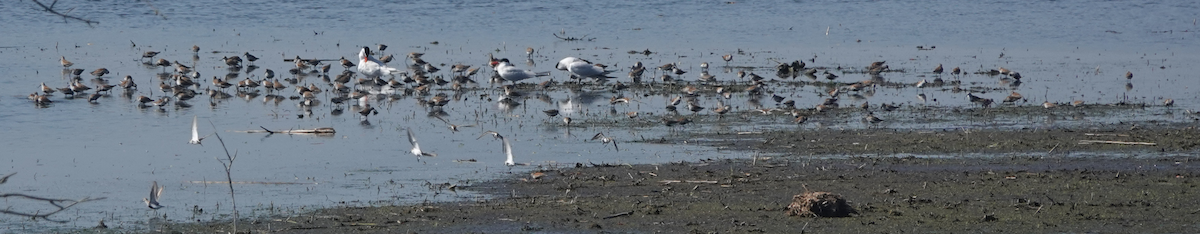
x,y
705,77
830,76
149,54
938,69
1048,104
1003,70
249,57
161,102
529,52
956,71
1077,103
100,72
143,100
632,114
1168,102
1013,97
155,195
64,62
1128,74
727,58
871,118
195,49
40,99
605,140
46,89
416,148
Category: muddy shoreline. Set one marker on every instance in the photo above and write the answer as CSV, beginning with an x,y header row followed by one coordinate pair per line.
x,y
1096,187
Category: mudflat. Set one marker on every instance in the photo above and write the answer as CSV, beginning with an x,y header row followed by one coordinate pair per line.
x,y
1055,180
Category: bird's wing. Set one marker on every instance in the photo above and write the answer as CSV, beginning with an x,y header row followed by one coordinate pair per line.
x,y
195,132
411,139
598,136
507,148
154,192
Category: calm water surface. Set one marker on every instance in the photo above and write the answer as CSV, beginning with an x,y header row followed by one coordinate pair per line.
x,y
1067,50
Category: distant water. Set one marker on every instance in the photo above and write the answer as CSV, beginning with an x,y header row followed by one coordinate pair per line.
x,y
1067,50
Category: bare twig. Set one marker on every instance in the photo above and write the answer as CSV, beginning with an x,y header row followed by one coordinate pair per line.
x,y
59,204
228,174
50,9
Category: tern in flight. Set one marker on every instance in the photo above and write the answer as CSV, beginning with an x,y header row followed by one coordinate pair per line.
x,y
416,149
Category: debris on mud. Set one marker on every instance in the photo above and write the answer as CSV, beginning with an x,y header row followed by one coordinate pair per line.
x,y
819,204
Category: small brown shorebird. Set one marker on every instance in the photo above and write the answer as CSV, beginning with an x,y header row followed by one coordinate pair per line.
x,y
1128,75
605,140
938,69
956,71
346,63
249,57
100,72
871,118
149,54
1013,97
155,195
64,62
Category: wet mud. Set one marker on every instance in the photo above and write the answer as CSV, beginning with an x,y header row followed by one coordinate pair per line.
x,y
1047,182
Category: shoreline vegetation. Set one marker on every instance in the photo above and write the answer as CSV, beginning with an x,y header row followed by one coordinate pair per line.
x,y
1044,180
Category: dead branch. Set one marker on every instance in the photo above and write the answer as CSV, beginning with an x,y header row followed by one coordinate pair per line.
x,y
59,204
228,174
292,131
584,38
50,9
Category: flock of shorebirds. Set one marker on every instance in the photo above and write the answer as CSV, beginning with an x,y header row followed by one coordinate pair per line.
x,y
373,79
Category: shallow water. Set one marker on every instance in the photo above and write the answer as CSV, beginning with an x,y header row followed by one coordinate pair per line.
x,y
1067,50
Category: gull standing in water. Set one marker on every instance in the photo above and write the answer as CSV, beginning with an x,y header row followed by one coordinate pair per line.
x,y
155,193
416,149
196,134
